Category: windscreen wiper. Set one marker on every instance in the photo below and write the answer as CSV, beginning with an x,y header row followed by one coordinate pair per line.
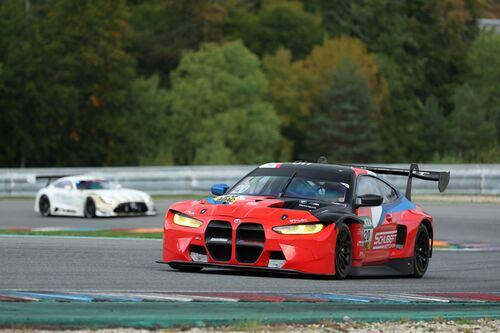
x,y
283,190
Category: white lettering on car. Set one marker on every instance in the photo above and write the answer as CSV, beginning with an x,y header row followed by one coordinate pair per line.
x,y
384,240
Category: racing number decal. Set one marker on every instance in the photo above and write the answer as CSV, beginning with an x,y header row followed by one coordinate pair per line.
x,y
368,230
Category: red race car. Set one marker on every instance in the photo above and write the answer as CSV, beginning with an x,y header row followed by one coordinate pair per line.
x,y
307,218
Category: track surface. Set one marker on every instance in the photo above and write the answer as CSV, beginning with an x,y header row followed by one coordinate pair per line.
x,y
45,263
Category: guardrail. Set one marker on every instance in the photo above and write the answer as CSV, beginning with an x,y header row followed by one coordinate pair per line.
x,y
473,179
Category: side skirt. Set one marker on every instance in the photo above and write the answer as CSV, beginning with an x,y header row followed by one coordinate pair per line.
x,y
402,266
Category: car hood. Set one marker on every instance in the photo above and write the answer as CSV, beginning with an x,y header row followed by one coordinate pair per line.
x,y
249,208
119,195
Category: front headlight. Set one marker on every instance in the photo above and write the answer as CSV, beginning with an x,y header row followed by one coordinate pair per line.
x,y
105,200
299,229
186,221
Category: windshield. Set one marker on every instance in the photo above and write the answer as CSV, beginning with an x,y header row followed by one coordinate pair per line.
x,y
93,185
299,187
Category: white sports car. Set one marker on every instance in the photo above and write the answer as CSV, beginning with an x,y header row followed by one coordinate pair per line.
x,y
91,196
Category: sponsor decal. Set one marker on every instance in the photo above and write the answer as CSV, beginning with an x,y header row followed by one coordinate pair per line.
x,y
384,240
297,220
228,199
215,239
190,212
368,230
271,165
308,204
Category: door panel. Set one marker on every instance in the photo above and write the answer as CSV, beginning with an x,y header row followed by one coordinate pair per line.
x,y
380,228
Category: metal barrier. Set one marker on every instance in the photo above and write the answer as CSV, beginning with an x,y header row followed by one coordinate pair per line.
x,y
474,179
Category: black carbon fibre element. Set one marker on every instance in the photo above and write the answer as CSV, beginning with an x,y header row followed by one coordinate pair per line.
x,y
401,266
401,236
218,240
240,267
250,239
131,207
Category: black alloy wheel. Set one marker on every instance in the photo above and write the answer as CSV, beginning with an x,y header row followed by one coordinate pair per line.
x,y
89,209
343,252
189,269
44,206
422,252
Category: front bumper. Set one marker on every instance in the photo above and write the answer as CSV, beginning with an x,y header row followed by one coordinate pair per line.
x,y
304,254
125,209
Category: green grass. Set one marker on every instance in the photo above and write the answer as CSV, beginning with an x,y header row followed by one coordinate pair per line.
x,y
17,198
75,233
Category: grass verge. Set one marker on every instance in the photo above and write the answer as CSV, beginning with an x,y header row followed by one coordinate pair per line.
x,y
75,233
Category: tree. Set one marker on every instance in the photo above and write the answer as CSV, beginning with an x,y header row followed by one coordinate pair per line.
x,y
343,124
483,75
289,90
471,132
420,48
277,24
165,29
434,133
297,85
146,124
218,108
27,120
90,78
326,57
66,79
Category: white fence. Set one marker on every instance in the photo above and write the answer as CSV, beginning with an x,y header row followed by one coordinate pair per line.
x,y
475,179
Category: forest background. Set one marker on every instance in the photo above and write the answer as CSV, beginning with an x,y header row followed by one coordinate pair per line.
x,y
168,82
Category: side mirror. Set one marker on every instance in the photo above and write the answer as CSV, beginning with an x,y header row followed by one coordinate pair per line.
x,y
219,189
369,200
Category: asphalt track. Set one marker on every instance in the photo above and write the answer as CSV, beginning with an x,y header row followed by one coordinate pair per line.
x,y
125,265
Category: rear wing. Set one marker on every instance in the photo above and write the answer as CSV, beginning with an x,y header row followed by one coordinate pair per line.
x,y
32,179
442,177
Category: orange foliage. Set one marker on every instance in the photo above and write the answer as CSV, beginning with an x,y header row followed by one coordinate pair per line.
x,y
74,135
95,101
325,58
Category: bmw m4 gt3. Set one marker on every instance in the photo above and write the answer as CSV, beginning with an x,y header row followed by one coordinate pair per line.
x,y
312,218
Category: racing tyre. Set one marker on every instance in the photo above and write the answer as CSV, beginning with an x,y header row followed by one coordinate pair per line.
x,y
343,252
190,269
89,209
44,206
422,252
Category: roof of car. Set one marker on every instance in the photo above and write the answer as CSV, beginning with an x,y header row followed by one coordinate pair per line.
x,y
79,178
310,166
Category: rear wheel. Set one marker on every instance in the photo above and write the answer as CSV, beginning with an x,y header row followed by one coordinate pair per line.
x,y
182,268
343,252
44,206
89,209
422,252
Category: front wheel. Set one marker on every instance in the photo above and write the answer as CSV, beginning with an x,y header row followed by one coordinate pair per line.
x,y
89,209
422,252
44,206
343,252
